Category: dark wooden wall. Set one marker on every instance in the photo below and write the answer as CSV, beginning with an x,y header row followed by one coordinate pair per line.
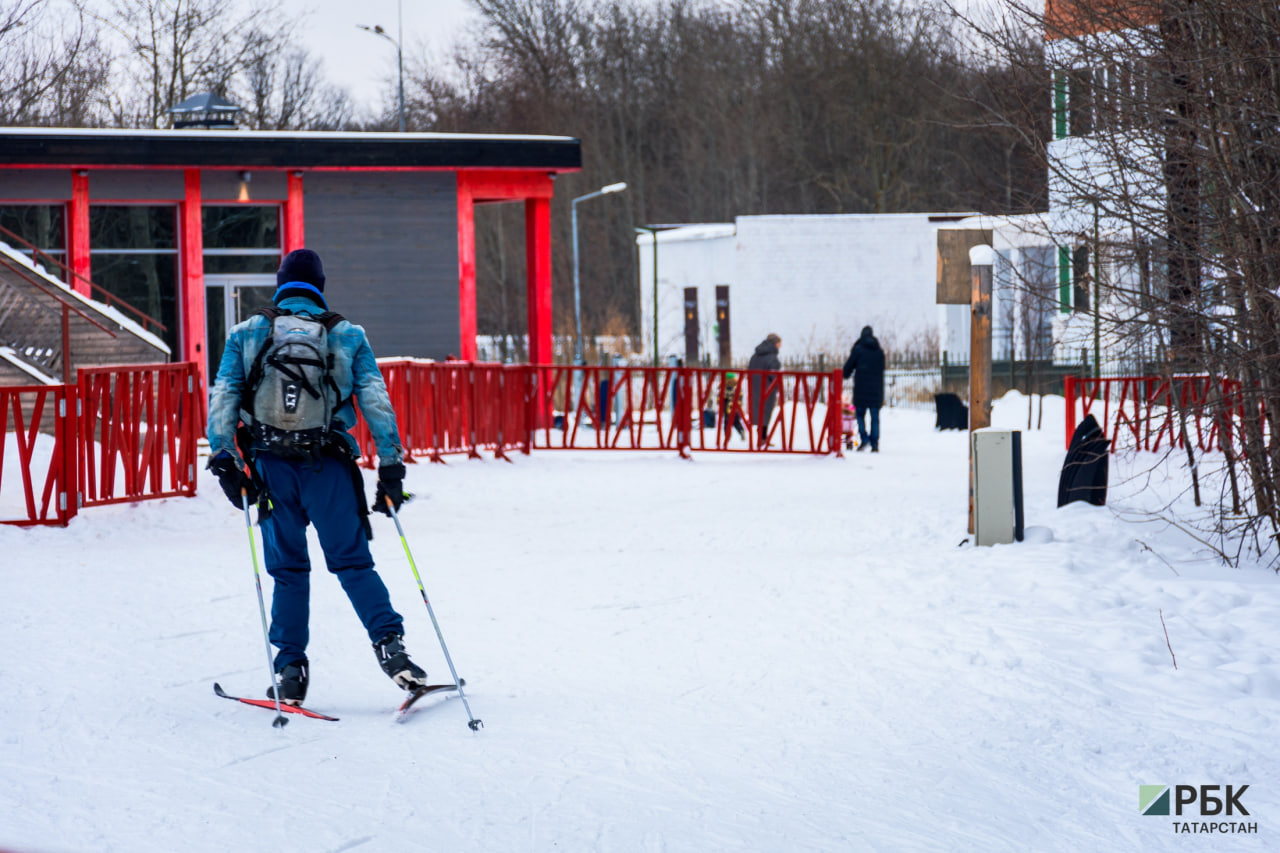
x,y
389,242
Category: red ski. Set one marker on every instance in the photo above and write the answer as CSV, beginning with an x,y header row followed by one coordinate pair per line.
x,y
270,704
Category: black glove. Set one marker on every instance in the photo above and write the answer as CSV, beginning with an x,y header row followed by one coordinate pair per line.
x,y
233,479
390,485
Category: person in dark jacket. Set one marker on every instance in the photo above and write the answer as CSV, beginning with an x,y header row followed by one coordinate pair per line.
x,y
866,365
764,358
318,489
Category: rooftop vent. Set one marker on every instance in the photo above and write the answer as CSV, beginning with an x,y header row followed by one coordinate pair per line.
x,y
206,110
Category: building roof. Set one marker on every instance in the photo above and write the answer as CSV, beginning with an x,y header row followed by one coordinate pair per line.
x,y
92,147
1070,18
205,102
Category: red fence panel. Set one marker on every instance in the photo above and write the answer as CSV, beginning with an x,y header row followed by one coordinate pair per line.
x,y
464,407
120,434
452,407
1150,412
685,409
38,420
137,432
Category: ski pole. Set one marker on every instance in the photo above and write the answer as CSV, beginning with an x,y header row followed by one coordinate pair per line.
x,y
473,723
280,720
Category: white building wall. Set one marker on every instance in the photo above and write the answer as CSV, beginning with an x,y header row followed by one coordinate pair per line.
x,y
814,280
700,256
817,280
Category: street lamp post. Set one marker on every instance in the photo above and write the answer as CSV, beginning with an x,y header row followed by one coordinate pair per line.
x,y
652,231
577,294
377,30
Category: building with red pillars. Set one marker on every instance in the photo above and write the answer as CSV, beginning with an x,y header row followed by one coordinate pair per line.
x,y
188,226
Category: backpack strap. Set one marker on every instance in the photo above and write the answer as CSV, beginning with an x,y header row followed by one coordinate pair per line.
x,y
329,319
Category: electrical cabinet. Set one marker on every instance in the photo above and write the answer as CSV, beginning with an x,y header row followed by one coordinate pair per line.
x,y
997,486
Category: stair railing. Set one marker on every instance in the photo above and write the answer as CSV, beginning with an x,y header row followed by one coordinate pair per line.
x,y
95,291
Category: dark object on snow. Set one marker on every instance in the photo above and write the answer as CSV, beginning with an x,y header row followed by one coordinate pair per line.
x,y
1084,473
952,414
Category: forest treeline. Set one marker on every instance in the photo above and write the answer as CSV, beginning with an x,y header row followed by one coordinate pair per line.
x,y
707,110
710,111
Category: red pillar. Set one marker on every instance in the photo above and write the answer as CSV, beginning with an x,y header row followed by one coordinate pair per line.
x,y
537,247
294,222
78,232
192,331
466,271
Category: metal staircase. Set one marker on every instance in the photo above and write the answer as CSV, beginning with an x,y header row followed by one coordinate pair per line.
x,y
47,329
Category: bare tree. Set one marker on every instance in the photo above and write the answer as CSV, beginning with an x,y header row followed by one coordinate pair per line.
x,y
177,48
1165,188
288,90
711,111
52,68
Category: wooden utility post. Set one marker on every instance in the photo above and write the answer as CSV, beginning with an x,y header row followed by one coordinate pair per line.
x,y
981,261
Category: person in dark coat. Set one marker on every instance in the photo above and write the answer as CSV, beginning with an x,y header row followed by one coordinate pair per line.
x,y
866,365
764,358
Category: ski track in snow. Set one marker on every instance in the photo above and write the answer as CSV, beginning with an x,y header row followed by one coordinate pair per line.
x,y
732,653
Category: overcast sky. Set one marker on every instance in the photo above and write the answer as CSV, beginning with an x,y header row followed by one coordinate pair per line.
x,y
362,62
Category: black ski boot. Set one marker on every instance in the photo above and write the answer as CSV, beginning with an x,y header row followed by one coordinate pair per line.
x,y
293,684
396,664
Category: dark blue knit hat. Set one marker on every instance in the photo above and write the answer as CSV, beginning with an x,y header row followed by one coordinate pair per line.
x,y
301,265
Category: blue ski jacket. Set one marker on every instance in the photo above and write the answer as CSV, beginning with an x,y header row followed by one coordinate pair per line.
x,y
355,371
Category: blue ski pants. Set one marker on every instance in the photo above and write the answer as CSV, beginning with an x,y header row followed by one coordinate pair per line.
x,y
321,493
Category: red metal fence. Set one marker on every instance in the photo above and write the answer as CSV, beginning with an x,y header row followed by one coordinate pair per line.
x,y
460,407
119,434
37,466
1146,412
129,433
453,407
138,431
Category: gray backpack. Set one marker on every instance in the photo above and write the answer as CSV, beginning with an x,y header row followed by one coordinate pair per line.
x,y
290,394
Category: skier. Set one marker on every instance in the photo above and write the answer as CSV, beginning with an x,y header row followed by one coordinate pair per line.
x,y
302,476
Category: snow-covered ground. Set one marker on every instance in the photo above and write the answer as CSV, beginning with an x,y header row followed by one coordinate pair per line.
x,y
729,653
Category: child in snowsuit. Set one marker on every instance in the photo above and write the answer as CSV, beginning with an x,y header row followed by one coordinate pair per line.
x,y
728,412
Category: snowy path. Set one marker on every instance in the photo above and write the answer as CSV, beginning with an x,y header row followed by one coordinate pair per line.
x,y
724,654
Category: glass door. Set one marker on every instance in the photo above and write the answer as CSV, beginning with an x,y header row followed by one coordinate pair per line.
x,y
232,299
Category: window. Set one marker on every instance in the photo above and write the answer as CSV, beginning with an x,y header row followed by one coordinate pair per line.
x,y
1080,101
133,251
41,225
1006,307
1037,273
1081,278
241,239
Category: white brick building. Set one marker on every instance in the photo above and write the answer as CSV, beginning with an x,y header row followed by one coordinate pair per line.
x,y
814,280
